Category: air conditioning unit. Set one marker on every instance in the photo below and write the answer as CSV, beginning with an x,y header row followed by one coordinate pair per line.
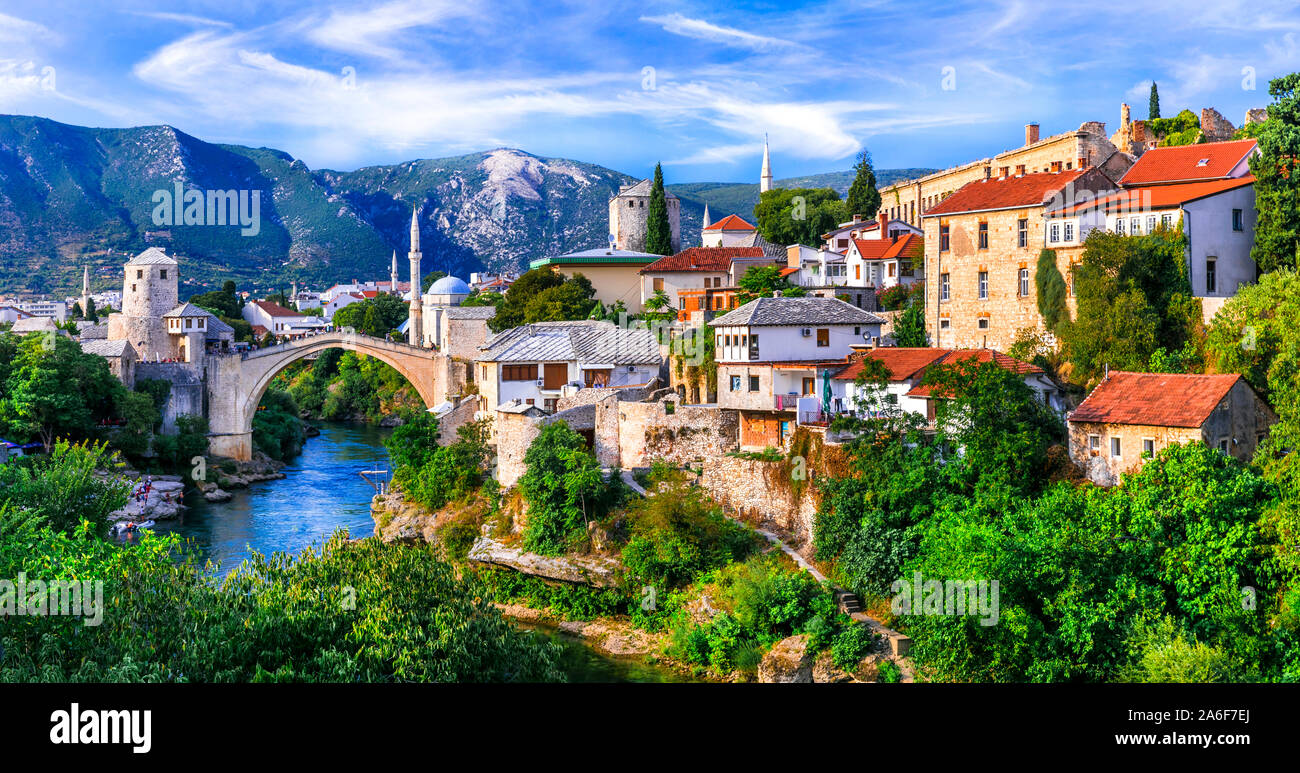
x,y
541,382
631,369
805,332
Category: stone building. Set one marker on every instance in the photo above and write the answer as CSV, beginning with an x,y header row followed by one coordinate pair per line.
x,y
1085,147
1131,416
981,252
629,215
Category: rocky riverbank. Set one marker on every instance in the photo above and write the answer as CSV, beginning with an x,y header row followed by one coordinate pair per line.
x,y
224,474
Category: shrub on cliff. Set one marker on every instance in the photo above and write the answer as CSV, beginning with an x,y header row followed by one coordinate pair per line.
x,y
564,488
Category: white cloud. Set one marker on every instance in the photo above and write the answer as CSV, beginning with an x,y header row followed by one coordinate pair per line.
x,y
369,32
182,18
699,29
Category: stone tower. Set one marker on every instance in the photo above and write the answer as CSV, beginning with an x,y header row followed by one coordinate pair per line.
x,y
413,332
765,178
149,290
629,215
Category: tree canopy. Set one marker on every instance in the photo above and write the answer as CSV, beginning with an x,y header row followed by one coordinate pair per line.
x,y
798,215
863,198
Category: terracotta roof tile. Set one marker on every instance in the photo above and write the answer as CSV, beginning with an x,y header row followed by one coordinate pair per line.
x,y
1029,190
1142,198
978,356
702,259
1155,399
1207,161
900,361
730,223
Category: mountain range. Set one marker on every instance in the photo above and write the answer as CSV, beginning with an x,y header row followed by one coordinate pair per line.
x,y
72,196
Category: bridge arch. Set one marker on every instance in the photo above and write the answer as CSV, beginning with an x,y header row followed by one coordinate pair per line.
x,y
236,384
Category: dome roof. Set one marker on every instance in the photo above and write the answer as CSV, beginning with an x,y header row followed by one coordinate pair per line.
x,y
448,285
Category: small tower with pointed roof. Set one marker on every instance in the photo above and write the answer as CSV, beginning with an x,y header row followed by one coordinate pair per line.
x,y
765,178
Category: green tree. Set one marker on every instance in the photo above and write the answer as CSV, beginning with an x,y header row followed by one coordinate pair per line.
x,y
763,281
572,299
564,489
909,327
91,314
1051,290
376,316
1277,179
529,285
863,198
658,232
53,389
63,490
1153,103
224,302
798,215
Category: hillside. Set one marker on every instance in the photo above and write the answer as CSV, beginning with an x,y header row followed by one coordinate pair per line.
x,y
73,196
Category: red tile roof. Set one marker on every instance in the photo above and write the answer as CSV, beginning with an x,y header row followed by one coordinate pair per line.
x,y
1028,190
1146,197
1155,399
901,362
905,245
978,356
702,259
730,223
1183,163
275,309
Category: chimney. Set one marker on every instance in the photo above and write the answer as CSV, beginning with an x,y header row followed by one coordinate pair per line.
x,y
1031,133
884,224
857,218
776,293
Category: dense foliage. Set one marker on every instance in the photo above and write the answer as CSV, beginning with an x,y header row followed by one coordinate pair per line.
x,y
379,316
545,295
564,488
863,198
798,215
1277,179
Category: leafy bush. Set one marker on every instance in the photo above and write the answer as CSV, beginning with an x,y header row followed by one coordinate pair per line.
x,y
851,646
564,489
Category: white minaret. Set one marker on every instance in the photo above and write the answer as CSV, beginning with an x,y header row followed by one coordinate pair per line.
x,y
413,332
85,290
765,179
708,221
392,275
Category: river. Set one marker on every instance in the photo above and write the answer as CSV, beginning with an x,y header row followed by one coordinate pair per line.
x,y
323,491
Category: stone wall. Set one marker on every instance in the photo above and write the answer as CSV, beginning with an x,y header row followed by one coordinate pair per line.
x,y
187,393
456,418
646,432
761,492
516,431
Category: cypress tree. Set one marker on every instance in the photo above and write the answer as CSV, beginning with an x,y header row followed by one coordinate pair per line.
x,y
658,231
1153,106
863,198
1051,290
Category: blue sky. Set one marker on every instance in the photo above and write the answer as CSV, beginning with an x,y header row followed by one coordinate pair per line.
x,y
692,84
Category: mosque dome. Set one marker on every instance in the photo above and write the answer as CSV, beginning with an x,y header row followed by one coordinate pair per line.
x,y
449,285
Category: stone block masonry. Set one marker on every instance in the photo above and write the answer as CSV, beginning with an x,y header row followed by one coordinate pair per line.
x,y
761,492
647,432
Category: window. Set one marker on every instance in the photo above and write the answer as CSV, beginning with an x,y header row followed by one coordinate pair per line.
x,y
809,386
753,383
984,285
1119,226
1024,283
1167,220
1071,279
1135,226
857,271
891,269
823,336
1211,280
945,323
943,287
983,323
1055,232
735,383
753,347
658,284
943,238
1148,447
1223,446
519,372
984,236
1022,232
1115,447
1069,232
139,273
1237,224
162,274
1151,223
1094,444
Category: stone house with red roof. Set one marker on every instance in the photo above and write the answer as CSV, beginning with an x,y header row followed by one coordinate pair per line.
x,y
981,252
1131,416
695,279
1206,187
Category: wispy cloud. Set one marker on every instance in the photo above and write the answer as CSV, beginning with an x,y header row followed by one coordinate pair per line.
x,y
182,18
699,29
370,32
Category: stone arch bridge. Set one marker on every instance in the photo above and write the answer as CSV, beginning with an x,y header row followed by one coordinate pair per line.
x,y
236,383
